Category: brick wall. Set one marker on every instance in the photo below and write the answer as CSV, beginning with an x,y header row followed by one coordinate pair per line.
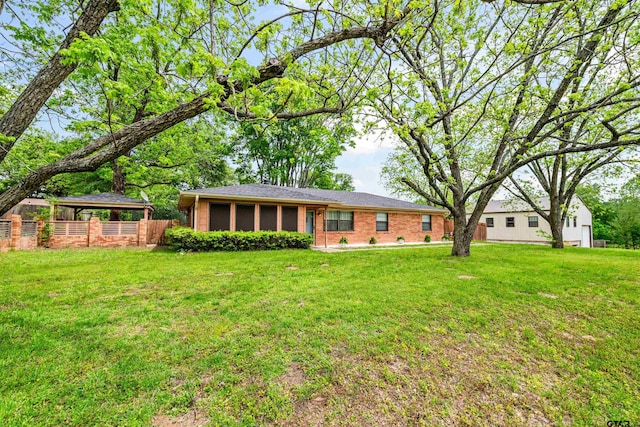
x,y
405,224
16,231
61,242
93,237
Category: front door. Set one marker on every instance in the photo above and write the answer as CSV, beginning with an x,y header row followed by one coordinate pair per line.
x,y
311,215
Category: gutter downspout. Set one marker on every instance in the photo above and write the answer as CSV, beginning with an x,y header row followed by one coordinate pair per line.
x,y
195,213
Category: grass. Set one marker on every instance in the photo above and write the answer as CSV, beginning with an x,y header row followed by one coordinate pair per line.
x,y
514,335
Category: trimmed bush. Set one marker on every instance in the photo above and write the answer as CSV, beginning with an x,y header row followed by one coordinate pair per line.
x,y
373,240
185,239
427,238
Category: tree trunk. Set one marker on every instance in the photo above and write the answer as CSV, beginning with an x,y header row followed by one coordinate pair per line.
x,y
556,223
118,186
22,112
462,231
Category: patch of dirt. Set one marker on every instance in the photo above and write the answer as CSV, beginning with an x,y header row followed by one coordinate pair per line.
x,y
54,294
324,265
310,412
464,276
294,376
224,274
192,418
551,296
444,385
589,338
129,330
301,303
293,267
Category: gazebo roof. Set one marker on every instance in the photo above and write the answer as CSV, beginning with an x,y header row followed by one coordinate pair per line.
x,y
103,201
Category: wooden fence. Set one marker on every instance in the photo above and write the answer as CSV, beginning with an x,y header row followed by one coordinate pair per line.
x,y
480,233
156,231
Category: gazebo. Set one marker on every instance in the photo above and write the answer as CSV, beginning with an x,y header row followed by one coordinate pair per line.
x,y
102,201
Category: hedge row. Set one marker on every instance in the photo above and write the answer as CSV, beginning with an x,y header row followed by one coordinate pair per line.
x,y
186,239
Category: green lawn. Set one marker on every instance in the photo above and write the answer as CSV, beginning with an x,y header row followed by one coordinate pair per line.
x,y
514,335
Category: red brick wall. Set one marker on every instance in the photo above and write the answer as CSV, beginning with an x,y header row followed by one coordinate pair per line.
x,y
405,224
96,239
60,242
115,241
4,245
28,243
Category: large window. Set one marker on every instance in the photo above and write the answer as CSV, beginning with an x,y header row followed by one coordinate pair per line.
x,y
533,221
268,218
489,222
511,221
245,217
426,222
219,216
382,221
289,218
340,221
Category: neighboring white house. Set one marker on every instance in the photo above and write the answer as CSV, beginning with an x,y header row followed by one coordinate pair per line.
x,y
515,221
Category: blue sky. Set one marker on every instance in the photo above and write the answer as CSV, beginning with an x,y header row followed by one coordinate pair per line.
x,y
364,162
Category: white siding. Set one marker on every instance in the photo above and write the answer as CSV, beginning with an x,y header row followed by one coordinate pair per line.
x,y
583,217
521,232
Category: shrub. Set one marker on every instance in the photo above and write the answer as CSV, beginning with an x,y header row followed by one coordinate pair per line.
x,y
185,239
373,240
343,241
400,239
427,238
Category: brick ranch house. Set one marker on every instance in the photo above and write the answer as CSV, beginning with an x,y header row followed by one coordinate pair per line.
x,y
327,214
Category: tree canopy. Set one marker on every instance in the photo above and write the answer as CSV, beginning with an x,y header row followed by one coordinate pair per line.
x,y
126,71
294,153
476,91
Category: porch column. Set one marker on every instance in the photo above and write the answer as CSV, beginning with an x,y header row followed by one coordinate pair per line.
x,y
142,231
16,231
94,232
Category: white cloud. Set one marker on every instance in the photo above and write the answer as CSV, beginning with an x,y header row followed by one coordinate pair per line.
x,y
373,140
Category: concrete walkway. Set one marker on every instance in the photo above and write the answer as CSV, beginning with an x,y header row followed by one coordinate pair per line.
x,y
367,247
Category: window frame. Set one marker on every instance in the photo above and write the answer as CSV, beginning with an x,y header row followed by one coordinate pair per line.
x,y
344,220
510,222
535,223
489,222
429,227
382,225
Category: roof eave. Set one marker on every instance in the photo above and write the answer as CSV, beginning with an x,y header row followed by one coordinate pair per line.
x,y
102,205
191,195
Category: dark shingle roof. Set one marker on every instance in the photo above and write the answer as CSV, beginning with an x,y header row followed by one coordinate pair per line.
x,y
102,199
311,194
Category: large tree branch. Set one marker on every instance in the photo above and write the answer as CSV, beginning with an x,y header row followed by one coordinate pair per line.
x,y
22,112
581,57
111,146
613,142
